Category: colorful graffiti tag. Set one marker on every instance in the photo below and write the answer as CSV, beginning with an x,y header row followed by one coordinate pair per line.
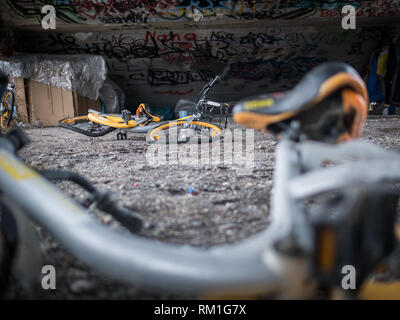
x,y
143,11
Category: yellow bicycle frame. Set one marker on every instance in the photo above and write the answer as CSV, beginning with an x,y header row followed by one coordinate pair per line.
x,y
113,121
5,115
143,107
116,121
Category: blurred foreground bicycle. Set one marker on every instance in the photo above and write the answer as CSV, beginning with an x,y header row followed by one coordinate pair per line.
x,y
333,205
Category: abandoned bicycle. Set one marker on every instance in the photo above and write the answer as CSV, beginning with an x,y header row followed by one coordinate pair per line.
x,y
195,128
8,111
97,124
324,215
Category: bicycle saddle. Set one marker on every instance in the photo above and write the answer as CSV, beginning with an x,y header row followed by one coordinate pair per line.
x,y
143,110
330,103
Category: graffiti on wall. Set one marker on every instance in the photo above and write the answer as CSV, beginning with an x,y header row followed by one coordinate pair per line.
x,y
143,11
151,63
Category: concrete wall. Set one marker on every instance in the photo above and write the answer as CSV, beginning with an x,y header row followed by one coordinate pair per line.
x,y
166,49
147,11
160,66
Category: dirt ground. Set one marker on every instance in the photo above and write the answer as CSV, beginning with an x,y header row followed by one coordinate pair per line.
x,y
227,207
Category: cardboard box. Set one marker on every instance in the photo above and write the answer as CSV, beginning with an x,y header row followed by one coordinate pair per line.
x,y
20,100
38,103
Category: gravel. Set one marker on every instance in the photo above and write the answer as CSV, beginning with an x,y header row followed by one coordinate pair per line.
x,y
224,206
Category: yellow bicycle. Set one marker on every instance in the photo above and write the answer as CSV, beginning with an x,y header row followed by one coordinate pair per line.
x,y
96,124
195,128
7,108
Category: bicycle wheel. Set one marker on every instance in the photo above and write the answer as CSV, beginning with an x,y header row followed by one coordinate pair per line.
x,y
84,125
7,110
176,132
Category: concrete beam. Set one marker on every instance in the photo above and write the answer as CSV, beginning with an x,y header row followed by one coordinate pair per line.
x,y
206,25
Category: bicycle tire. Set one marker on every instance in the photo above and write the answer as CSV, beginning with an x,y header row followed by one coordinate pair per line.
x,y
66,123
153,137
7,115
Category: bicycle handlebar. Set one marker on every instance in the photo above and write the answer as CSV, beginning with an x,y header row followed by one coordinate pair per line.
x,y
128,257
205,90
214,80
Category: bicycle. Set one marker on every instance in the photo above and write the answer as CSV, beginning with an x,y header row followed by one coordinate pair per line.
x,y
97,124
8,112
348,218
195,128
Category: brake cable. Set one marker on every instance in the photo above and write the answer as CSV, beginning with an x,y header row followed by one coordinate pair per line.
x,y
103,200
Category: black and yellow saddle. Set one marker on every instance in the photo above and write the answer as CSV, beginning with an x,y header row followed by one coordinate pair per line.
x,y
144,111
330,104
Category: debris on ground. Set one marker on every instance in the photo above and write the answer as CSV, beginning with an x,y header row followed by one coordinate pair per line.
x,y
227,208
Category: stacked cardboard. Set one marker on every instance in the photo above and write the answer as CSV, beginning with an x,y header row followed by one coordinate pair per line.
x,y
38,103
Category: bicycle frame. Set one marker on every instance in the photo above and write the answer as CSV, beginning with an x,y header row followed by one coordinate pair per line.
x,y
252,266
197,113
124,122
8,91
